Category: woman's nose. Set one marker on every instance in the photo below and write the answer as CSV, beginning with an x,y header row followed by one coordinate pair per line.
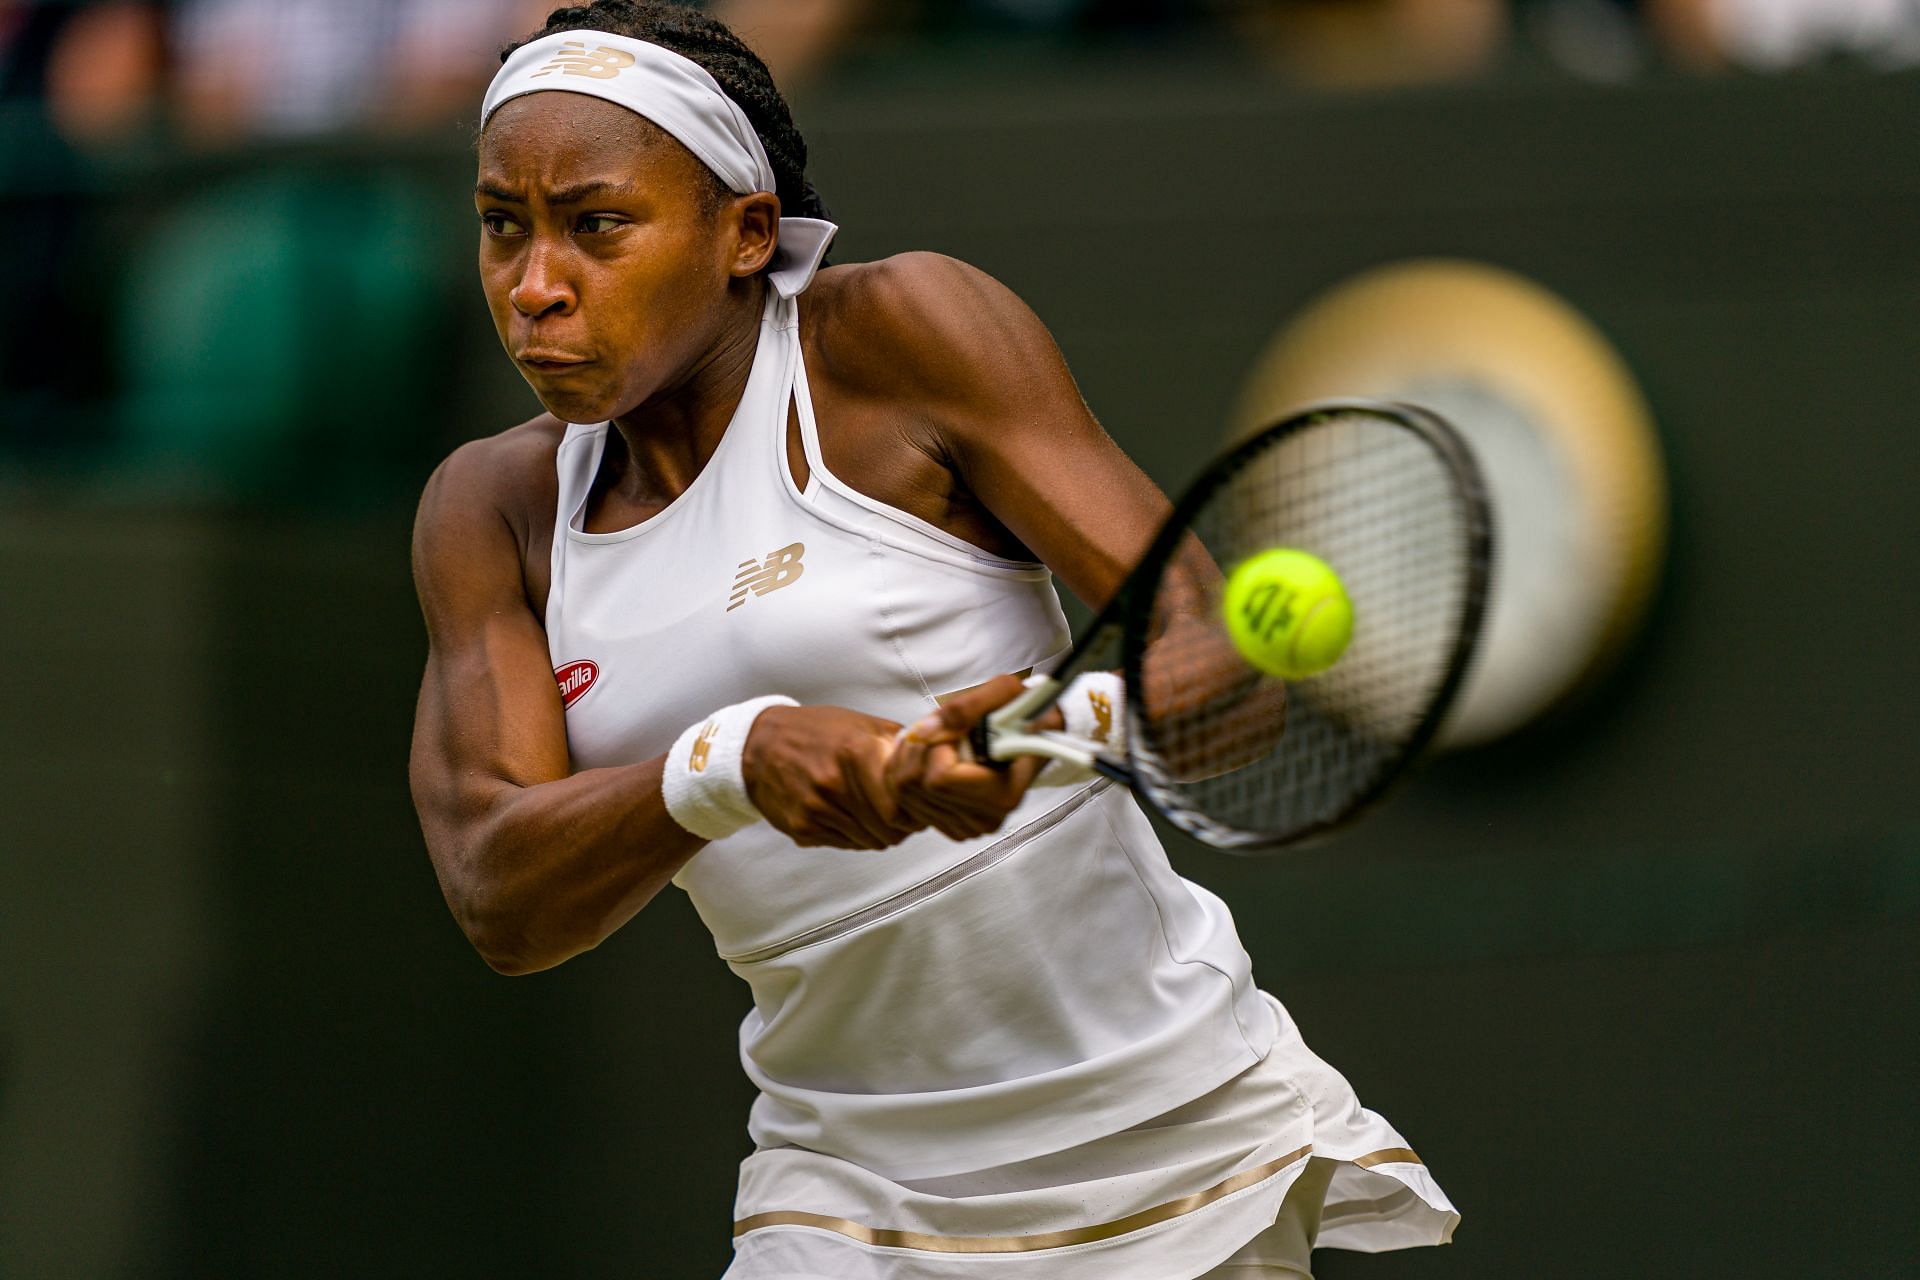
x,y
542,288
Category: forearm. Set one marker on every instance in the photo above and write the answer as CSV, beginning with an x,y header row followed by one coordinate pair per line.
x,y
541,873
1210,711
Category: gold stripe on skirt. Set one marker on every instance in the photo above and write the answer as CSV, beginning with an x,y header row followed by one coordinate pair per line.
x,y
885,1238
1392,1155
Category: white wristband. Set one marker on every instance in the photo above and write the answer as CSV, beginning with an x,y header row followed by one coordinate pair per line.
x,y
703,785
1094,707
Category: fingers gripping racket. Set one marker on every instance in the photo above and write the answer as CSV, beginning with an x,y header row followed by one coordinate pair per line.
x,y
1257,712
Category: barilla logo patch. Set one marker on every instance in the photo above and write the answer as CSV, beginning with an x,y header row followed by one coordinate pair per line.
x,y
575,679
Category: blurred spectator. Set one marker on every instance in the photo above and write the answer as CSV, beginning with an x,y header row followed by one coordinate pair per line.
x,y
34,71
1773,35
238,69
293,67
1083,16
104,72
50,366
799,38
795,38
1593,39
1367,43
277,329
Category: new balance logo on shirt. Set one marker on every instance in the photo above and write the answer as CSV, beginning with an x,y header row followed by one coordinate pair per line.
x,y
757,577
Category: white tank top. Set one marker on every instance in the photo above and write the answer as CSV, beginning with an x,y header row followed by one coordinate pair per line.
x,y
941,1006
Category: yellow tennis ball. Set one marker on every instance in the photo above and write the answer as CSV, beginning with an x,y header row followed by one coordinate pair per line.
x,y
1287,612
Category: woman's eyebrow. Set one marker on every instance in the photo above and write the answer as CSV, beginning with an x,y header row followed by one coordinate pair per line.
x,y
578,193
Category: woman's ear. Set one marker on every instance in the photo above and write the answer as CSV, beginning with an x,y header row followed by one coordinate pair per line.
x,y
756,222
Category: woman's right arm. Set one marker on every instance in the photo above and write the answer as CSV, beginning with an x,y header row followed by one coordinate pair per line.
x,y
538,863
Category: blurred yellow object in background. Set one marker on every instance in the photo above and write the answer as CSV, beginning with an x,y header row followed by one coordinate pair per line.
x,y
1559,427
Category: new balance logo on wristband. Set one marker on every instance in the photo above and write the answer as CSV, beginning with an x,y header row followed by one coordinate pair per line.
x,y
702,747
574,60
780,568
1102,706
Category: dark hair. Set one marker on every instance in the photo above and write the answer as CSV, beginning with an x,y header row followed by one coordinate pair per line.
x,y
726,57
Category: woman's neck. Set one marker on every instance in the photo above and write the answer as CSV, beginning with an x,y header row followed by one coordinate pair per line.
x,y
669,438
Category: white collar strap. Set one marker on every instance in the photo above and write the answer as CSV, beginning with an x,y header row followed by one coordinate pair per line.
x,y
678,95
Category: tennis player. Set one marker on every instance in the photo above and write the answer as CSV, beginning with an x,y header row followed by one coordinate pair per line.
x,y
773,514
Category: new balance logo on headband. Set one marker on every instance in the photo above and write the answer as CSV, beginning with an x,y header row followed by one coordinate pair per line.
x,y
574,60
779,569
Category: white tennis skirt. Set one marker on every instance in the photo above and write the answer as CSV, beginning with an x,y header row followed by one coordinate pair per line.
x,y
1168,1199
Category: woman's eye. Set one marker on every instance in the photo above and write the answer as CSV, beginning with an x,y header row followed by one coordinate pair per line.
x,y
499,224
595,224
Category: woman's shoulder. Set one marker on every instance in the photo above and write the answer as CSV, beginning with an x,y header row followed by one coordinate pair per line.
x,y
918,278
916,322
508,477
504,470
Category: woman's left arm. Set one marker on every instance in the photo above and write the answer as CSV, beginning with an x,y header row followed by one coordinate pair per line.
x,y
1008,420
1005,416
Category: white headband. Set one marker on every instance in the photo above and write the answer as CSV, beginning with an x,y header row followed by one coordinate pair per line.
x,y
677,94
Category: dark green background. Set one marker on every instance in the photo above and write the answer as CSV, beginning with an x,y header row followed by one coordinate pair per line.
x,y
1640,986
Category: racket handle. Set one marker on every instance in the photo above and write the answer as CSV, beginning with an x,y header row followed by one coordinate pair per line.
x,y
979,742
1011,720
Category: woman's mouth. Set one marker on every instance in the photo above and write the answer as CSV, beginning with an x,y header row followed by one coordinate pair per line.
x,y
551,361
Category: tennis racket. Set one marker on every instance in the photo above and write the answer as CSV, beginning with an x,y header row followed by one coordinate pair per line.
x,y
1389,496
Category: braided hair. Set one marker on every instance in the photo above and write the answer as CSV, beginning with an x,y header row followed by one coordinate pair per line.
x,y
741,74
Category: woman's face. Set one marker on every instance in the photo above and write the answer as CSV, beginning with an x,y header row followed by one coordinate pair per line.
x,y
606,251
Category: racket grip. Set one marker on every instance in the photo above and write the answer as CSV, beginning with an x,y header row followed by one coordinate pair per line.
x,y
980,743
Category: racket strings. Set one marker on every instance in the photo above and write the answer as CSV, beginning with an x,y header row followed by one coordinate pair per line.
x,y
1230,748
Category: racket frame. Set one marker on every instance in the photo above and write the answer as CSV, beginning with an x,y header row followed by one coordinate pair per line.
x,y
1008,731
